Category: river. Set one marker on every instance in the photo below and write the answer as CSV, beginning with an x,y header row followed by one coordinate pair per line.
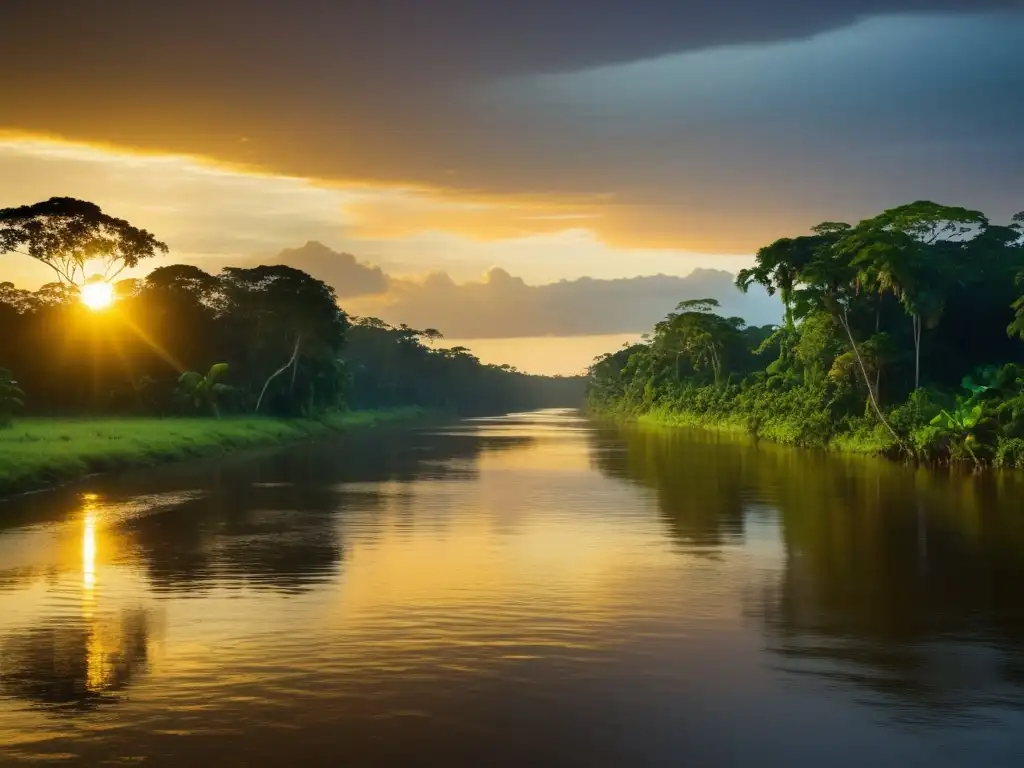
x,y
533,589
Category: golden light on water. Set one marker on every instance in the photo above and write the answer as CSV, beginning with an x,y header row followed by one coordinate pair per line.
x,y
97,295
89,546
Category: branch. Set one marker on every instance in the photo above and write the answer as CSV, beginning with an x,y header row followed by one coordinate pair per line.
x,y
871,393
278,372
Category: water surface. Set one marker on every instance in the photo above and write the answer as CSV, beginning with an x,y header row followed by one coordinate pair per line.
x,y
527,590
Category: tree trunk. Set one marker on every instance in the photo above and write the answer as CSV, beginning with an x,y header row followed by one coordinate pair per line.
x,y
278,372
845,321
916,318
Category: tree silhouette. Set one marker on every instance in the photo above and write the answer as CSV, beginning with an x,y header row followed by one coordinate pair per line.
x,y
66,233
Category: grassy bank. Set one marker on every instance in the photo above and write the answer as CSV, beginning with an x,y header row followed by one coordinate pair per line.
x,y
808,427
37,453
865,439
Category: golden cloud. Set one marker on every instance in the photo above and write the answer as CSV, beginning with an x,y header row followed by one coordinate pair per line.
x,y
382,210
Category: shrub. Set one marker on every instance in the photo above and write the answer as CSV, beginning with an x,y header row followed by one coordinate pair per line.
x,y
1010,452
11,397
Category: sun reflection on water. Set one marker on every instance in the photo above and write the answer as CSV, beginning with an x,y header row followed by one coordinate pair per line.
x,y
89,543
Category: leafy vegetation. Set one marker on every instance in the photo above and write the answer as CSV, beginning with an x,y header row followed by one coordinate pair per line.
x,y
65,233
11,397
271,340
900,335
204,392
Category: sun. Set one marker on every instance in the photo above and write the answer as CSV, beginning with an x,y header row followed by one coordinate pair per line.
x,y
97,295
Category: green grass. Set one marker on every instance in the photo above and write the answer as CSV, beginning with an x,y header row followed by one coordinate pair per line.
x,y
668,417
873,440
37,453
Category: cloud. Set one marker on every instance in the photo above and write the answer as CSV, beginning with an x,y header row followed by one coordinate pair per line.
x,y
504,306
715,125
399,42
348,276
214,217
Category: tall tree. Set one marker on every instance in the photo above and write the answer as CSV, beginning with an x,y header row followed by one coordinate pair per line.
x,y
66,234
1016,240
831,283
778,266
910,252
291,316
694,331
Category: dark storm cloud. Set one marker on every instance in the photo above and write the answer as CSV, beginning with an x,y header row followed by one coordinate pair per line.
x,y
814,109
346,40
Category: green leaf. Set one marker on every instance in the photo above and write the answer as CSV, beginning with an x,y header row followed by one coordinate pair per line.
x,y
216,371
968,383
974,415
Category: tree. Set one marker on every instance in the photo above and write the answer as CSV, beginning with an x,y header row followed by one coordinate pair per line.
x,y
11,397
288,314
606,375
184,283
432,335
908,252
55,295
831,283
18,300
65,234
287,343
1017,229
779,265
696,332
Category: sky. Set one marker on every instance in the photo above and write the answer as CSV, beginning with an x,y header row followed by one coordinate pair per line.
x,y
541,181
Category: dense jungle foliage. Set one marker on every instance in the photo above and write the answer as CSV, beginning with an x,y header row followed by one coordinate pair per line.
x,y
267,340
900,335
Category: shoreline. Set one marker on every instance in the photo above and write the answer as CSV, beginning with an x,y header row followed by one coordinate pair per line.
x,y
871,444
45,453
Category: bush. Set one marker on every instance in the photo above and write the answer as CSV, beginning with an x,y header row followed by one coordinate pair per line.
x,y
1010,453
11,397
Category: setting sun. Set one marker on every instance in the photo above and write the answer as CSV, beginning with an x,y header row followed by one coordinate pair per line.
x,y
98,295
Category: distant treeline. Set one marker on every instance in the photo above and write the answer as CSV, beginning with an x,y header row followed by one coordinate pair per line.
x,y
902,335
272,338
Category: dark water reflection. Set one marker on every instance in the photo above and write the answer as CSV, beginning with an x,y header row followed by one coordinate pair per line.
x,y
527,590
899,585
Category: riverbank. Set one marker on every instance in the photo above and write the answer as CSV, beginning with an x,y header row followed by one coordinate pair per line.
x,y
868,439
861,436
40,453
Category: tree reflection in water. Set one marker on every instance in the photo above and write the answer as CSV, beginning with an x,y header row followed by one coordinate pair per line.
x,y
70,665
900,584
698,479
277,523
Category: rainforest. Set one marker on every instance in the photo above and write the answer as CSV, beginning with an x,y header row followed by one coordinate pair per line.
x,y
901,335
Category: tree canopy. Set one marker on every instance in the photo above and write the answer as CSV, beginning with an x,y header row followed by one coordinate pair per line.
x,y
183,341
66,233
852,360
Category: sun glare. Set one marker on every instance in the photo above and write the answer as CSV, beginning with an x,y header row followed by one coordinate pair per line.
x,y
98,295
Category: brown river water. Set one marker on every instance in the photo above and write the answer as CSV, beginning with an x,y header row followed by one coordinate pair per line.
x,y
534,589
